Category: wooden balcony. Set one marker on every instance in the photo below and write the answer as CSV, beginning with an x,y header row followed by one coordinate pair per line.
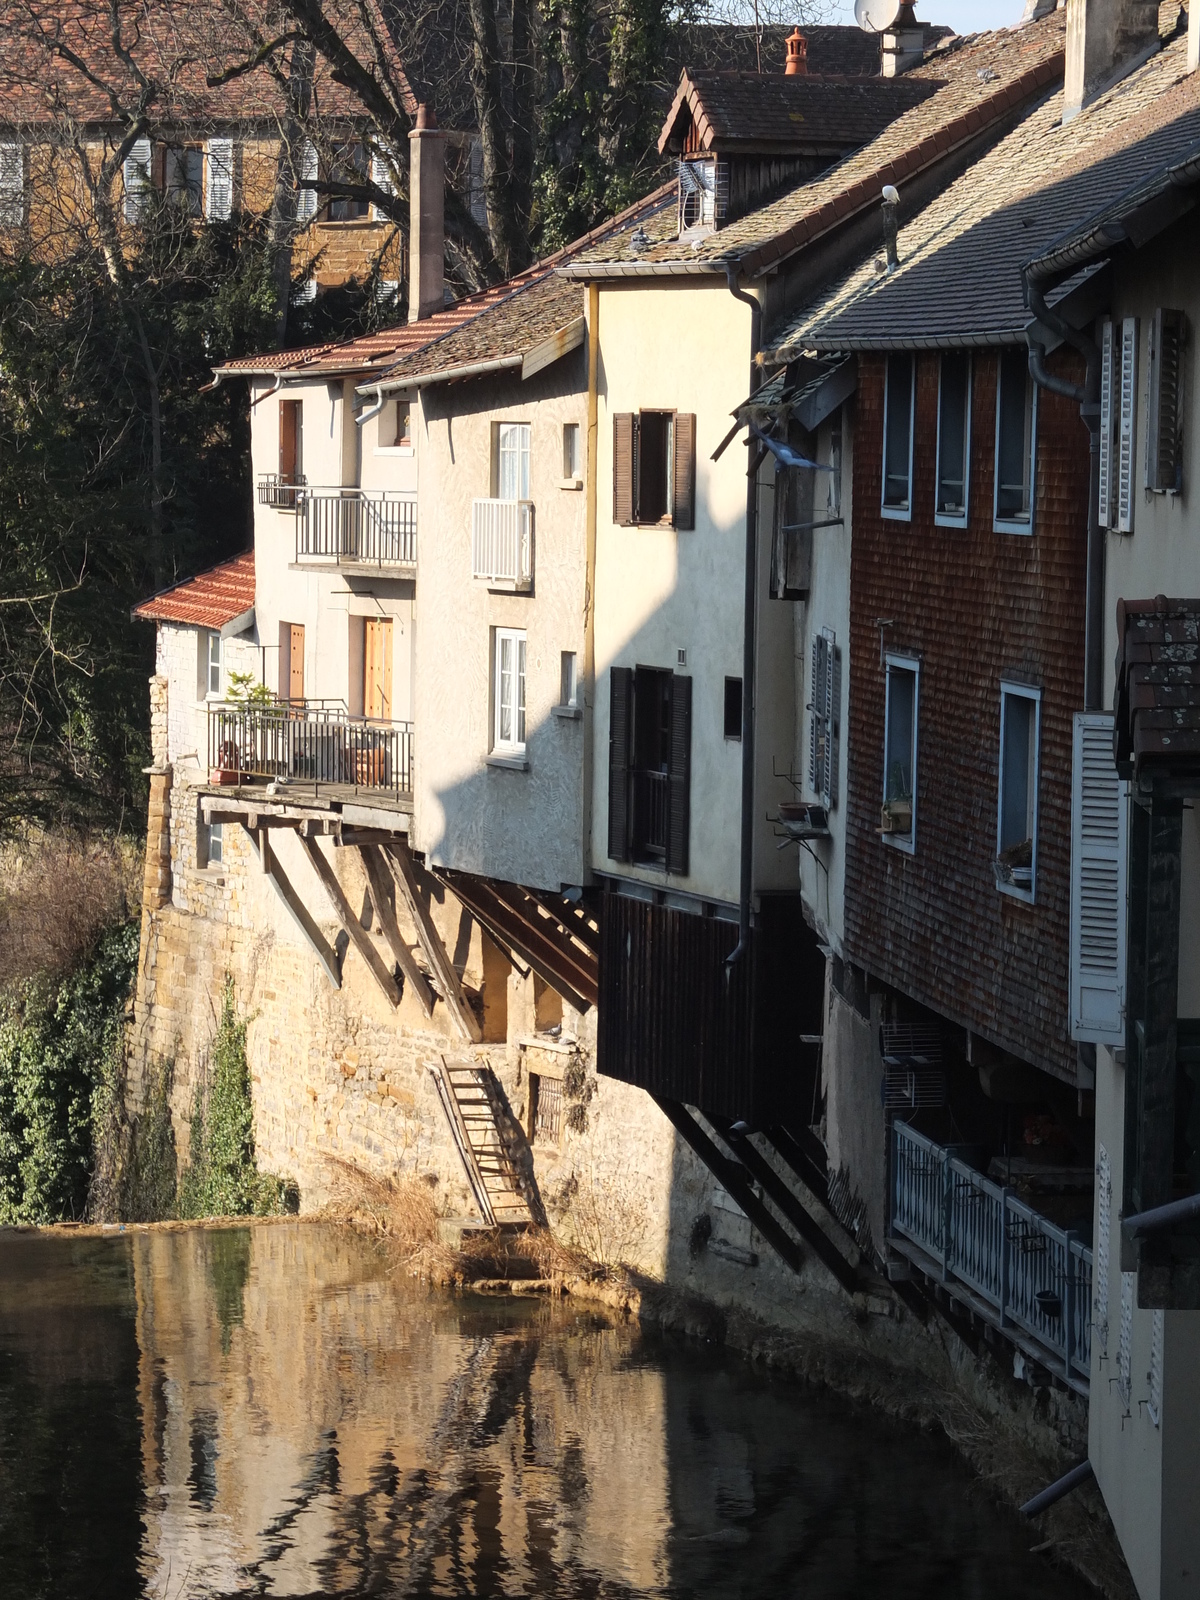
x,y
502,543
319,746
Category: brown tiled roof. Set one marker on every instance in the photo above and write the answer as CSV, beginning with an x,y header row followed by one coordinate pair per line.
x,y
208,601
981,80
735,111
177,48
1157,721
500,331
959,279
837,48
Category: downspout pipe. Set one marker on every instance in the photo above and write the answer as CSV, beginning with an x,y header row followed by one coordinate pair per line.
x,y
749,631
371,411
1088,398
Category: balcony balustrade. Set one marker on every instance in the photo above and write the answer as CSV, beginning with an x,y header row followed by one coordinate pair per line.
x,y
1035,1277
313,743
357,527
502,543
280,492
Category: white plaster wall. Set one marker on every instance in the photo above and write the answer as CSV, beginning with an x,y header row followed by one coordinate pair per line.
x,y
686,347
524,826
823,873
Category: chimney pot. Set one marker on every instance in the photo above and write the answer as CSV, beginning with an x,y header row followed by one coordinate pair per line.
x,y
426,216
796,65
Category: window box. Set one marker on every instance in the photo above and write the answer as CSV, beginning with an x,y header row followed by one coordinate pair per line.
x,y
896,817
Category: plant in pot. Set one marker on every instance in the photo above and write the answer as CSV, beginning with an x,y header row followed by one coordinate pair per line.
x,y
232,763
1014,866
896,816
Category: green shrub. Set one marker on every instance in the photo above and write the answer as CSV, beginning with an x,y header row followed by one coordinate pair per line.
x,y
222,1178
60,1045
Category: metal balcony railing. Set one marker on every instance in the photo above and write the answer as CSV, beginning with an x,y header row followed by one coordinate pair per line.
x,y
282,493
309,743
1034,1275
502,542
368,527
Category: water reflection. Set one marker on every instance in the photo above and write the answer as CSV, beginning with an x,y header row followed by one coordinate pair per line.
x,y
273,1412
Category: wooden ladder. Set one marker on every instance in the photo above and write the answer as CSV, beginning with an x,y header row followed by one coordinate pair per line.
x,y
467,1099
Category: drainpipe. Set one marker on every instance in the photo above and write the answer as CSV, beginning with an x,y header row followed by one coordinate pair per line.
x,y
749,628
588,685
1088,397
267,393
372,411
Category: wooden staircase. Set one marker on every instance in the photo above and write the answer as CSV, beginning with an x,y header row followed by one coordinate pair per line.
x,y
471,1103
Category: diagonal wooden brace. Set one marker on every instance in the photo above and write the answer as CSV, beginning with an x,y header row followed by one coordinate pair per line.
x,y
358,935
377,877
260,843
400,861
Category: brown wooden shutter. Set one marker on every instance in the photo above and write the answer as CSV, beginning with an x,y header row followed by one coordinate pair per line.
x,y
619,729
684,509
623,471
679,817
1164,432
296,663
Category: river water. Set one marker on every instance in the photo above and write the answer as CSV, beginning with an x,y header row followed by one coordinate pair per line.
x,y
276,1411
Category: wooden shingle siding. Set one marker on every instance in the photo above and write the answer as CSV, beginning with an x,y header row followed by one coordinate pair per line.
x,y
976,606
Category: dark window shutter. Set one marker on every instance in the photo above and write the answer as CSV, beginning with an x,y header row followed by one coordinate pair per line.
x,y
623,507
684,509
681,777
816,720
832,719
619,727
1164,443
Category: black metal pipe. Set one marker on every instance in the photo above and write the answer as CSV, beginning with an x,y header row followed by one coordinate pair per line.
x,y
1160,1217
749,629
1056,1491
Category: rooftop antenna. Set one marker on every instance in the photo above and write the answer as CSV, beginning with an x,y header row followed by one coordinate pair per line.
x,y
876,16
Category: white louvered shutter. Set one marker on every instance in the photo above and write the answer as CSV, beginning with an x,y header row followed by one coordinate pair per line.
x,y
218,194
1100,1266
833,698
12,184
1155,1375
1098,823
306,200
1125,1336
1127,425
818,692
1107,416
381,171
136,175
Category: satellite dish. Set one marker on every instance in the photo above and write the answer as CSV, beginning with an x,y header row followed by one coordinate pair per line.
x,y
874,16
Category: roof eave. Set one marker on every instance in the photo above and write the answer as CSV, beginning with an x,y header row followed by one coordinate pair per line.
x,y
590,272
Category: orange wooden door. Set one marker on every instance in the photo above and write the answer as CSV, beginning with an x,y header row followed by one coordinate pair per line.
x,y
377,668
296,663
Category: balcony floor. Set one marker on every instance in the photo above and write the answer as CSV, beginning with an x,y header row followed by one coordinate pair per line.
x,y
352,804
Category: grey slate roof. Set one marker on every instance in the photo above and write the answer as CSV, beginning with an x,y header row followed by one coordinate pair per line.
x,y
959,279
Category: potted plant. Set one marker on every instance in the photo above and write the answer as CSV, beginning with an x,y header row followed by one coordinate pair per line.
x,y
232,763
1014,866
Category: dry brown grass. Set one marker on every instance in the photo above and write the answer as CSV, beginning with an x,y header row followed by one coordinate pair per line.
x,y
58,891
400,1210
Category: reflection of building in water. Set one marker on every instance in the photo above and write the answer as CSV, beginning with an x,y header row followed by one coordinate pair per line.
x,y
311,1423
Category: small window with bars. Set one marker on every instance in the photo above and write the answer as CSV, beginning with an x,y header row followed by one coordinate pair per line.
x,y
545,1109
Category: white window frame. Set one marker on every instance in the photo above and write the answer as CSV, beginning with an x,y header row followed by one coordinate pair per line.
x,y
212,637
944,519
1022,525
514,744
523,431
571,456
568,679
1021,691
214,835
898,513
12,184
896,661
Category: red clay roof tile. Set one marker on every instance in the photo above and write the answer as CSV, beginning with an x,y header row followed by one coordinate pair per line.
x,y
210,600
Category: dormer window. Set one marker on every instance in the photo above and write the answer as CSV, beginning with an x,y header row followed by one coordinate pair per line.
x,y
703,193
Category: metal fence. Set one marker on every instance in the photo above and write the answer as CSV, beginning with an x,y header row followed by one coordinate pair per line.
x,y
502,541
311,744
282,493
372,526
1035,1275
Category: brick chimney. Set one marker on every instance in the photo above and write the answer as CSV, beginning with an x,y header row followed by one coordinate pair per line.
x,y
796,65
1104,36
426,216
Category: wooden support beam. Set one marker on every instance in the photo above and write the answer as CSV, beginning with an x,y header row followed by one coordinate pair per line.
x,y
357,934
296,908
512,919
400,861
377,877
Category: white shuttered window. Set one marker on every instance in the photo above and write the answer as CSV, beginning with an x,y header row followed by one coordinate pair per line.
x,y
12,185
825,711
306,200
1125,1337
1108,412
138,180
1103,1227
1127,425
1098,824
218,194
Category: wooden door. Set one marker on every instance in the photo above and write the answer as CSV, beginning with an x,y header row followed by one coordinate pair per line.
x,y
296,663
377,668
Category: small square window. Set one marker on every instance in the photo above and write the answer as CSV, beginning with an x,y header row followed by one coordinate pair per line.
x,y
210,844
1016,817
898,436
953,443
568,689
508,724
1016,432
898,824
545,1109
570,449
733,708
